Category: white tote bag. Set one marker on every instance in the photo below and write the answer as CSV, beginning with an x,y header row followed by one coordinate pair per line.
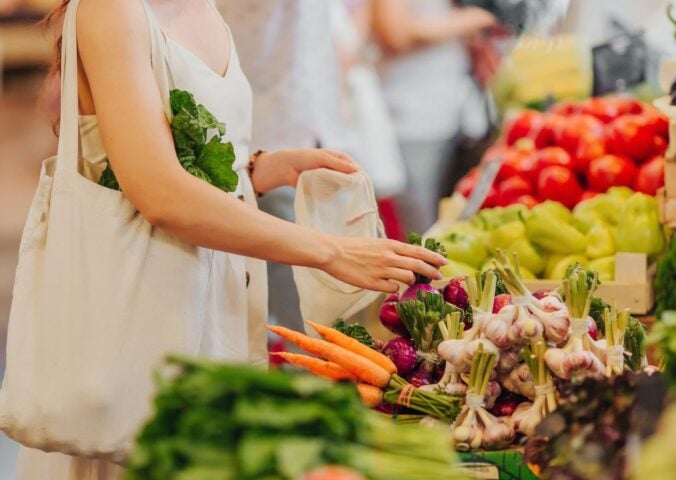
x,y
343,205
100,297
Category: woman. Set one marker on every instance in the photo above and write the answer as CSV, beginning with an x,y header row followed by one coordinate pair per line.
x,y
428,84
122,121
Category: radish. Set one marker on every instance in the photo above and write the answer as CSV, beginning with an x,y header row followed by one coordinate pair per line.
x,y
389,317
411,293
402,352
500,301
454,293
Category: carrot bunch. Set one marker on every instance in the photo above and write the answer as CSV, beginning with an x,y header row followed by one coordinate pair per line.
x,y
340,357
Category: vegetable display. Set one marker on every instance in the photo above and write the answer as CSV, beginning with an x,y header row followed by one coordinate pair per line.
x,y
549,237
209,159
232,422
576,150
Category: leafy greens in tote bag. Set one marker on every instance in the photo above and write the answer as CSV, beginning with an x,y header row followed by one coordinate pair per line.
x,y
190,125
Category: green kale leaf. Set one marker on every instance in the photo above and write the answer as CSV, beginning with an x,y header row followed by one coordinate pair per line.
x,y
191,124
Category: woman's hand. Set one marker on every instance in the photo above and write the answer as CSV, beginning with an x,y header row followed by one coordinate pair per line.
x,y
282,168
378,264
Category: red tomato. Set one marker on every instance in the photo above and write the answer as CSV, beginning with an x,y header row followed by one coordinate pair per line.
x,y
589,194
605,109
610,171
628,105
466,184
632,136
552,156
554,125
559,184
657,120
492,198
589,147
493,152
528,124
564,108
650,176
512,188
516,161
577,127
528,200
660,145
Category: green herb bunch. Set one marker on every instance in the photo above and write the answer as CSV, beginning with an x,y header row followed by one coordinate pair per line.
x,y
233,422
191,124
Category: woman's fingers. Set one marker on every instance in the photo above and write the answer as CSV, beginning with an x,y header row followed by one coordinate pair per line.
x,y
400,275
417,266
420,253
338,161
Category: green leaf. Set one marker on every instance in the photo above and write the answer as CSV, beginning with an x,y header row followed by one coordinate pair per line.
x,y
216,160
180,100
187,130
108,178
207,120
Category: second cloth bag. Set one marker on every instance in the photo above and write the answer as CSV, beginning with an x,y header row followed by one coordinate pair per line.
x,y
337,204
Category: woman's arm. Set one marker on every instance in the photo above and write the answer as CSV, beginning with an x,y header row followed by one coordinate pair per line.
x,y
115,54
398,30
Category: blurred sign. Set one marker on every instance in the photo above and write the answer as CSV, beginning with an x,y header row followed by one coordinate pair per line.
x,y
489,171
620,63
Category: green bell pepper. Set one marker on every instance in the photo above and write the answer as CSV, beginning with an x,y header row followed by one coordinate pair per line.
x,y
528,255
466,247
639,229
605,266
558,270
505,235
555,210
457,269
600,241
553,234
622,193
605,207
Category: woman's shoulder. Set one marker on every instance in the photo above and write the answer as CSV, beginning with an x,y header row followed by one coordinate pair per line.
x,y
108,23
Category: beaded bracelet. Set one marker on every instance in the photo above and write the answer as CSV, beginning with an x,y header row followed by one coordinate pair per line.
x,y
251,167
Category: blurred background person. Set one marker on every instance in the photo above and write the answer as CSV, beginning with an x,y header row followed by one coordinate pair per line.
x,y
371,137
290,58
431,50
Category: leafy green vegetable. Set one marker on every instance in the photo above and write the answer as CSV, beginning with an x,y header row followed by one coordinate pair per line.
x,y
664,336
217,421
634,338
210,160
430,244
665,281
356,331
421,318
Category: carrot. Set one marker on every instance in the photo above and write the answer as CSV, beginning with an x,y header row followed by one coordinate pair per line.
x,y
370,396
360,367
349,343
319,367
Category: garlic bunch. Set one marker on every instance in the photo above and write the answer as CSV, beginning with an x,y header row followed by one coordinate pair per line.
x,y
452,351
475,427
616,327
528,415
581,355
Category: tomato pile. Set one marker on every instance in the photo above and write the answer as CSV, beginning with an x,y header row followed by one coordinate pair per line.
x,y
575,151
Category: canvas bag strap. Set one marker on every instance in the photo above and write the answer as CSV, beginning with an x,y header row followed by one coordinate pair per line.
x,y
68,154
68,151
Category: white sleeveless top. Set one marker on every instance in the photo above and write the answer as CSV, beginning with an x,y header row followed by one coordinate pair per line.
x,y
234,314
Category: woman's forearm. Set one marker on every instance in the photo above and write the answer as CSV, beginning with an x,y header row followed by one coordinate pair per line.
x,y
398,30
228,224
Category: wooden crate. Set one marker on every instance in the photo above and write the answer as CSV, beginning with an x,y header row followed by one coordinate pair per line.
x,y
667,206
